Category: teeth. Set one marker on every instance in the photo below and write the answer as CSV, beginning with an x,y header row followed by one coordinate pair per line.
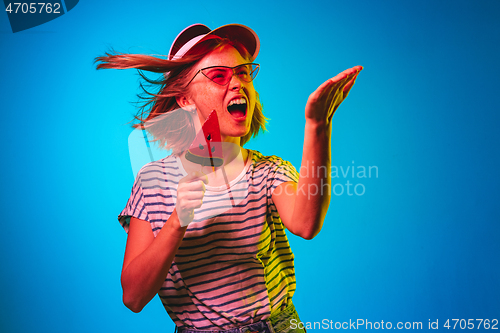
x,y
237,101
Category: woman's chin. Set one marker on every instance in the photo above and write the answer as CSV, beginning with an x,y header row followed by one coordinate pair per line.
x,y
235,135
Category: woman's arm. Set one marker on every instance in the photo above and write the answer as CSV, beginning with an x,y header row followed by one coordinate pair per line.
x,y
148,258
303,206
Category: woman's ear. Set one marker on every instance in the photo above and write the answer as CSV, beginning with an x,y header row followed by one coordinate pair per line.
x,y
185,103
188,105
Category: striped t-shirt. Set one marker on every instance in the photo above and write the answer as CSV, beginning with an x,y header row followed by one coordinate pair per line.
x,y
234,265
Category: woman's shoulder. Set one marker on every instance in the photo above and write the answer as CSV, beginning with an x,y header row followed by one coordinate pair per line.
x,y
272,167
266,161
168,165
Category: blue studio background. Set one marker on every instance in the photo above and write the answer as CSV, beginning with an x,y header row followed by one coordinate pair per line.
x,y
420,242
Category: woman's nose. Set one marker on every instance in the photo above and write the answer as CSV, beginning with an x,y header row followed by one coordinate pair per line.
x,y
235,83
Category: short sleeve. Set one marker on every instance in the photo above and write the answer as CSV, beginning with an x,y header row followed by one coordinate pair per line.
x,y
281,172
135,207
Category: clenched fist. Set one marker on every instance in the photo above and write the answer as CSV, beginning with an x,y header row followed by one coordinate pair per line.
x,y
190,194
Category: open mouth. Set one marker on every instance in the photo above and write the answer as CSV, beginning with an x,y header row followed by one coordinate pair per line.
x,y
237,107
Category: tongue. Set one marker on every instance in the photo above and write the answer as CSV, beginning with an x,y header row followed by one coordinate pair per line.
x,y
237,113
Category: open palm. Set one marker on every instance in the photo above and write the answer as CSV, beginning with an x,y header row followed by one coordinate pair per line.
x,y
325,100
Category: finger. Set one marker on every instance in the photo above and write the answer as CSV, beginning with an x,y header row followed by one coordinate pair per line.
x,y
340,88
346,78
331,87
186,203
338,78
349,85
337,89
324,87
337,100
337,96
348,72
334,97
193,195
344,92
192,204
194,186
355,69
351,73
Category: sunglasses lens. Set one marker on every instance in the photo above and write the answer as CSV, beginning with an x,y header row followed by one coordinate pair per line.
x,y
247,72
220,75
254,70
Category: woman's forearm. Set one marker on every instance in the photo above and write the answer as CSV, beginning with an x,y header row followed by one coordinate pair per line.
x,y
143,277
314,187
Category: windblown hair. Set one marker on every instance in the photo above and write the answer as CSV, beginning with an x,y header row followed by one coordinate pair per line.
x,y
159,112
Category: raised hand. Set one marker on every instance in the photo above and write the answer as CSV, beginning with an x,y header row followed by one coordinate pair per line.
x,y
325,100
190,193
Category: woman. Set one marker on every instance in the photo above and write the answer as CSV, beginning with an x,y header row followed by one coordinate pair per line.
x,y
218,266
